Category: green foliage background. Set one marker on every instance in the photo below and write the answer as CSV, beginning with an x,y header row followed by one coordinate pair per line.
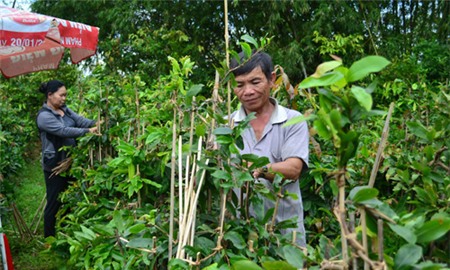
x,y
164,53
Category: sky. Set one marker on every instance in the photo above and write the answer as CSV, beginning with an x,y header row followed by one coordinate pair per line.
x,y
19,4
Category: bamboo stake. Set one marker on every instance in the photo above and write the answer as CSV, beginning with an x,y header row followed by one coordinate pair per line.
x,y
188,185
215,97
188,204
380,240
186,181
106,120
129,132
199,154
194,206
91,156
191,131
247,201
187,231
277,202
99,126
341,184
100,141
223,200
364,235
138,112
22,227
227,54
37,216
38,221
118,139
381,146
223,195
351,237
172,178
180,181
181,234
187,237
352,230
139,200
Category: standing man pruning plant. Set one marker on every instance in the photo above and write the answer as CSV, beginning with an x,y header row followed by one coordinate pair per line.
x,y
285,147
58,126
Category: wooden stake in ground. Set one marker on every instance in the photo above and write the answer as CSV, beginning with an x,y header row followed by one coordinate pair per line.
x,y
172,176
24,231
384,137
38,215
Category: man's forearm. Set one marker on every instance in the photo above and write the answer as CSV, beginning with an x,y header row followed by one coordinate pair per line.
x,y
290,169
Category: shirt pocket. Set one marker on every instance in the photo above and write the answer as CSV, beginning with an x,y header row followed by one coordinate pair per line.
x,y
275,150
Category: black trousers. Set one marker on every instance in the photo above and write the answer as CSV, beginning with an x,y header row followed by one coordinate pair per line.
x,y
55,185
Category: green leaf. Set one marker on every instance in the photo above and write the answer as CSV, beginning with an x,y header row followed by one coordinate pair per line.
x,y
224,140
425,196
418,129
362,193
293,256
126,148
200,130
322,129
205,244
140,243
298,119
433,230
247,50
250,40
211,267
245,265
407,256
150,182
223,131
336,120
176,264
235,238
404,232
364,99
82,237
137,228
88,232
277,265
153,137
325,67
387,210
222,175
428,265
239,141
194,90
118,221
242,177
365,66
327,79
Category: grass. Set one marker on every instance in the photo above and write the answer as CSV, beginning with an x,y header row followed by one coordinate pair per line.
x,y
29,190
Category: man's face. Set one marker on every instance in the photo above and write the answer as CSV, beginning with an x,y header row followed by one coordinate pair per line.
x,y
253,89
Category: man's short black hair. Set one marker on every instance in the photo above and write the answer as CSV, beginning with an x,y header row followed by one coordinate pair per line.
x,y
257,58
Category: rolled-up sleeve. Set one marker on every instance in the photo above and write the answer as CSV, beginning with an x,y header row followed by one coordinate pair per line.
x,y
81,121
296,142
48,122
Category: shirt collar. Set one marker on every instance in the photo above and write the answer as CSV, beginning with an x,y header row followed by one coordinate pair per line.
x,y
64,108
278,115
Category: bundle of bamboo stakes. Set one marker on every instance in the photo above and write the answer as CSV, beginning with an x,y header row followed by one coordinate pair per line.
x,y
190,183
189,190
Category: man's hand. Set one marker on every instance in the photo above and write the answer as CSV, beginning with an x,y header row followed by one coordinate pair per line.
x,y
261,172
